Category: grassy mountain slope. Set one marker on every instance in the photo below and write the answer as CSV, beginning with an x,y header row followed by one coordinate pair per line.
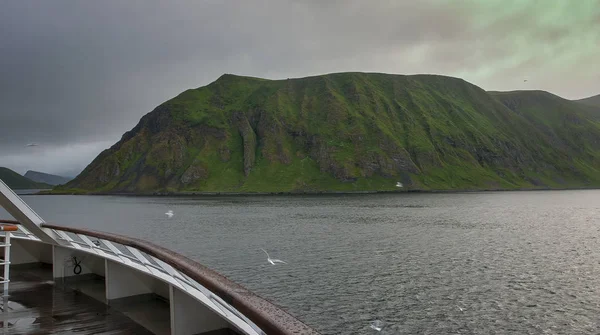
x,y
18,182
350,132
591,101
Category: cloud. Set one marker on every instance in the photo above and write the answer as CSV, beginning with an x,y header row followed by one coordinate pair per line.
x,y
85,72
67,160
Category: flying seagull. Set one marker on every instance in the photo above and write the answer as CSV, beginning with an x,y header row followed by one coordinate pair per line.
x,y
272,260
399,184
169,213
32,145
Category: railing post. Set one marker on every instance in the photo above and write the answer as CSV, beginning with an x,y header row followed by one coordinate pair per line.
x,y
189,316
6,278
6,262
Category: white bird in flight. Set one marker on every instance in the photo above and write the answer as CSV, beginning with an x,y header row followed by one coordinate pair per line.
x,y
377,325
399,184
272,260
169,213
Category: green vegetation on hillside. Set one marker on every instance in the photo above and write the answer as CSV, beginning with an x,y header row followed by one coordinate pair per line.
x,y
351,132
18,182
591,101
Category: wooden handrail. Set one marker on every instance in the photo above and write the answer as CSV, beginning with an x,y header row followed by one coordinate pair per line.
x,y
270,318
8,225
9,221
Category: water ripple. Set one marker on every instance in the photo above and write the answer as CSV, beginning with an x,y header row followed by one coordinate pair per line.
x,y
472,263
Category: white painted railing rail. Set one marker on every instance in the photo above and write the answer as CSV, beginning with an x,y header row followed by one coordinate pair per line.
x,y
126,251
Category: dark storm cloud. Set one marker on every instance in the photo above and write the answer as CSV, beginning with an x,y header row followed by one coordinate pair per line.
x,y
74,75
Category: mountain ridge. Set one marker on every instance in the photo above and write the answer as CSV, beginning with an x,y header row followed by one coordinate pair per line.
x,y
593,101
349,132
42,177
19,182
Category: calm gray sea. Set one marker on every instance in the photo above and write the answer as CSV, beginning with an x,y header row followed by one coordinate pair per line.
x,y
468,263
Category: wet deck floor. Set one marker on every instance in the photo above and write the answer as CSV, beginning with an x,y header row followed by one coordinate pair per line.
x,y
37,306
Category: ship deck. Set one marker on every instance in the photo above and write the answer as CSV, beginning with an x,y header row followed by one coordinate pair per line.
x,y
36,305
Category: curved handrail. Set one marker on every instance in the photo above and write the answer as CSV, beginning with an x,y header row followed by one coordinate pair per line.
x,y
270,318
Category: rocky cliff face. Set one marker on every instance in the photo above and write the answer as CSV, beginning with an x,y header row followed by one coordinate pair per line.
x,y
350,132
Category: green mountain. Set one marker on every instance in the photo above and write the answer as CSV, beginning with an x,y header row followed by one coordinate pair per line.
x,y
351,132
591,101
18,182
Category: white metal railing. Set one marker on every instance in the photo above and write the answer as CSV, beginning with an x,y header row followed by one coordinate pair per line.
x,y
30,221
155,267
21,231
170,268
5,279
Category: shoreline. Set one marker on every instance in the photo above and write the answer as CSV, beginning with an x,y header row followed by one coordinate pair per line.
x,y
300,193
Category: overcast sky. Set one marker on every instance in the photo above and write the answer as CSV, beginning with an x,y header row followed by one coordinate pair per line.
x,y
75,75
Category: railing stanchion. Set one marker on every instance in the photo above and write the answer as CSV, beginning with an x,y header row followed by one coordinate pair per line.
x,y
6,261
